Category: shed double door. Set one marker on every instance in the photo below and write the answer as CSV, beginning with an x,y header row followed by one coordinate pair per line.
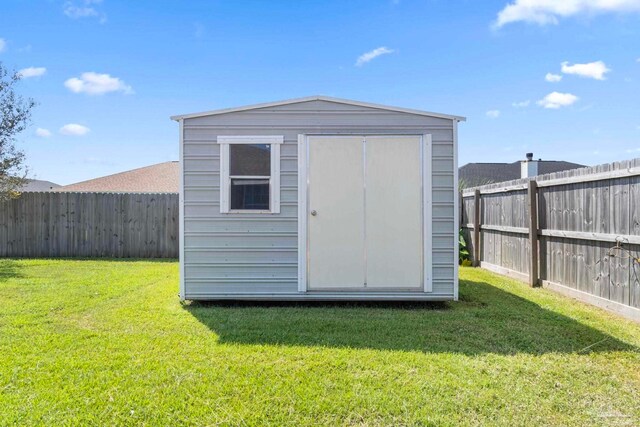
x,y
365,212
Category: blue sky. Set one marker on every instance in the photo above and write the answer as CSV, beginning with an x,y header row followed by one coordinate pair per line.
x,y
119,69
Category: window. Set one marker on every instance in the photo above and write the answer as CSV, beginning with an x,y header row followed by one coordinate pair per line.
x,y
250,174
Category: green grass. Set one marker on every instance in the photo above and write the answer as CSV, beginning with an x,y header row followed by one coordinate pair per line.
x,y
108,343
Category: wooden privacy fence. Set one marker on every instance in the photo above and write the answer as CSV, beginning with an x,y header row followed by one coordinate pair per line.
x,y
118,225
576,232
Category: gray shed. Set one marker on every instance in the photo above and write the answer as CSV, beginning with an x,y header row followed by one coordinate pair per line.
x,y
318,199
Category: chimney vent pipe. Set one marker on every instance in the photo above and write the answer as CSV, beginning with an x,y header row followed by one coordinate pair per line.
x,y
529,167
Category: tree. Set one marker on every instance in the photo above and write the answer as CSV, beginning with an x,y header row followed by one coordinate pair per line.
x,y
464,184
15,115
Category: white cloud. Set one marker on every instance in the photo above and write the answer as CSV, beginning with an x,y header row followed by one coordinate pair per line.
x,y
638,60
76,12
74,129
366,57
25,73
543,12
43,133
555,100
3,45
84,9
521,104
493,114
97,84
595,70
553,78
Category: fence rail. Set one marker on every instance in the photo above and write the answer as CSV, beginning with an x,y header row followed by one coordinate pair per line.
x,y
577,232
116,225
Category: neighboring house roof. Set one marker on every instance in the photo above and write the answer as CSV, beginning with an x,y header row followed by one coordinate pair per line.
x,y
39,185
473,174
317,98
158,178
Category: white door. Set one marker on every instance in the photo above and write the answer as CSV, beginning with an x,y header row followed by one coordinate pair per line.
x,y
365,212
393,212
336,212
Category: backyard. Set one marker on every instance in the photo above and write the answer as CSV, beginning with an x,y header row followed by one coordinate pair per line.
x,y
109,343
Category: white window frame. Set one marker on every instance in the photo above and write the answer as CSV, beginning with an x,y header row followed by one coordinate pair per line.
x,y
274,180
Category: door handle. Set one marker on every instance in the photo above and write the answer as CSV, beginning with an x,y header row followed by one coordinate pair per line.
x,y
314,213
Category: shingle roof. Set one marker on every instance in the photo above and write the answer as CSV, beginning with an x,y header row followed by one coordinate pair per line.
x,y
39,185
473,174
158,178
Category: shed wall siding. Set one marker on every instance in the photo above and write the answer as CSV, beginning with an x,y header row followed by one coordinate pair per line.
x,y
257,253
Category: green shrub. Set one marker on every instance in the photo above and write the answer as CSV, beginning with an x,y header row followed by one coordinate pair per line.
x,y
463,253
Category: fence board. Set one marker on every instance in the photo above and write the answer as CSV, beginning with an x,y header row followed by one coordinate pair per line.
x,y
582,213
114,225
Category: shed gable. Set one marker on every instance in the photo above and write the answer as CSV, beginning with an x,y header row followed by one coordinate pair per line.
x,y
319,103
314,113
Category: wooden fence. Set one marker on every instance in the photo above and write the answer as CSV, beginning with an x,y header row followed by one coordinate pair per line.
x,y
585,238
116,225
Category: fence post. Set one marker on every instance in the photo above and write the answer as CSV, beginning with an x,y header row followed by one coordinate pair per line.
x,y
476,228
532,194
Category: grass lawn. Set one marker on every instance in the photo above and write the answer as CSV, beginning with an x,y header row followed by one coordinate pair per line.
x,y
108,343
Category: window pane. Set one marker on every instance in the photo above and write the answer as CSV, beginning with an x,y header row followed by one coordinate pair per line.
x,y
250,194
250,159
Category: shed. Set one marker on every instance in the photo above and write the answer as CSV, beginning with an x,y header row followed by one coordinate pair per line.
x,y
318,198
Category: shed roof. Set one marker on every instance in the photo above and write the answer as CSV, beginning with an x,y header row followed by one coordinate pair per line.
x,y
158,178
317,98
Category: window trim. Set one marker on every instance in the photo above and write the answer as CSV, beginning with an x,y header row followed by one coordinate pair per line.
x,y
274,180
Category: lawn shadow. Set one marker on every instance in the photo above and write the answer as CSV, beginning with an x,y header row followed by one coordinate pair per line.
x,y
485,320
9,269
